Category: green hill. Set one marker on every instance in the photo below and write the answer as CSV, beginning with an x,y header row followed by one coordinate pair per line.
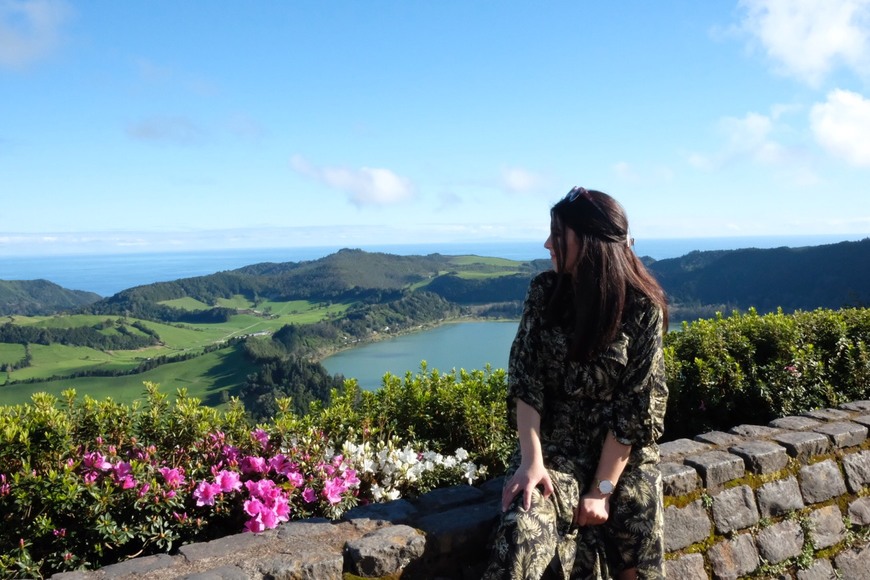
x,y
40,297
827,276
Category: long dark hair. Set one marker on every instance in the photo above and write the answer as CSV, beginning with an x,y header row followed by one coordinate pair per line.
x,y
606,275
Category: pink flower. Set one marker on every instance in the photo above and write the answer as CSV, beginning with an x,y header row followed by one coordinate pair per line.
x,y
144,489
253,507
60,533
228,481
280,464
295,478
95,460
332,490
262,437
122,469
350,478
253,464
90,478
174,477
255,525
5,488
308,495
205,493
231,453
128,482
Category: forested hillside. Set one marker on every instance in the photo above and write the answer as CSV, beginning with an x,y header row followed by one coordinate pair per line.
x,y
40,297
828,276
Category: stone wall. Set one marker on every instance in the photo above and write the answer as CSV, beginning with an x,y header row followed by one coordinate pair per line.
x,y
790,500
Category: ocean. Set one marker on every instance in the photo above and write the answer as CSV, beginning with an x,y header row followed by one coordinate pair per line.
x,y
107,274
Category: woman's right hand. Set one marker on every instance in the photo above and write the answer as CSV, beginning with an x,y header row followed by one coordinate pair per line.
x,y
525,479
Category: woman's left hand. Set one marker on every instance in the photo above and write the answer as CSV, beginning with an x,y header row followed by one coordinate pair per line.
x,y
594,509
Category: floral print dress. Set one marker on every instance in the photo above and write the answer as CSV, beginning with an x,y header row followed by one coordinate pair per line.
x,y
622,390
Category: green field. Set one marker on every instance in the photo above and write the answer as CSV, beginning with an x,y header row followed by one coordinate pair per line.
x,y
10,353
472,260
204,376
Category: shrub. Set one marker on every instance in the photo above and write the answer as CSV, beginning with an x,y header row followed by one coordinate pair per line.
x,y
85,484
748,368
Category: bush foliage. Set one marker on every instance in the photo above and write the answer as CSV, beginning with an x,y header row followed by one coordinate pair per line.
x,y
85,483
751,368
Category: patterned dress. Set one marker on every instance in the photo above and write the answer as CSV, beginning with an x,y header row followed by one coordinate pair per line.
x,y
622,390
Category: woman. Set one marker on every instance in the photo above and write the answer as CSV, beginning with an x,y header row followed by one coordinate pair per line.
x,y
586,382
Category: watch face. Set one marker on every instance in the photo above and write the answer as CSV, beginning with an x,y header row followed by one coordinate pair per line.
x,y
605,486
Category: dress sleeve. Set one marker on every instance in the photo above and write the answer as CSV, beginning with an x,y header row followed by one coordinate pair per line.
x,y
640,399
525,380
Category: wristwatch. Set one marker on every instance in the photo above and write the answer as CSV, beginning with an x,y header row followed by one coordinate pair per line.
x,y
604,486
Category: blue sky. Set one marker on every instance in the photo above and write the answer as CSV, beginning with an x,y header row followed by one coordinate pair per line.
x,y
129,126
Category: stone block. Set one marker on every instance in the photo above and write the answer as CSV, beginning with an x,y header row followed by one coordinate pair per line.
x,y
678,478
716,468
385,551
140,566
779,497
220,547
719,438
780,541
219,573
827,414
761,456
819,570
674,450
686,526
794,423
859,511
857,469
803,445
821,481
688,567
399,511
843,433
862,420
306,564
856,406
733,558
755,431
460,530
735,509
853,563
446,498
827,528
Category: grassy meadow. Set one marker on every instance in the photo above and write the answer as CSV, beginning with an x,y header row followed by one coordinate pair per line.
x,y
205,376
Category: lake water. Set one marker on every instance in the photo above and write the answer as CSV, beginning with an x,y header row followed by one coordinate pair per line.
x,y
462,345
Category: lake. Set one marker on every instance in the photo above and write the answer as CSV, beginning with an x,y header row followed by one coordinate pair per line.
x,y
459,345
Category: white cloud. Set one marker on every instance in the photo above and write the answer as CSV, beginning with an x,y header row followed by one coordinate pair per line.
x,y
175,130
807,39
364,186
30,30
748,137
519,180
842,126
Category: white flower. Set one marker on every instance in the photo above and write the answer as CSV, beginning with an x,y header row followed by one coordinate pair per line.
x,y
461,454
470,472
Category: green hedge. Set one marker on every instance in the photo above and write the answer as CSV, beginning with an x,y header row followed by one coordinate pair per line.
x,y
751,368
